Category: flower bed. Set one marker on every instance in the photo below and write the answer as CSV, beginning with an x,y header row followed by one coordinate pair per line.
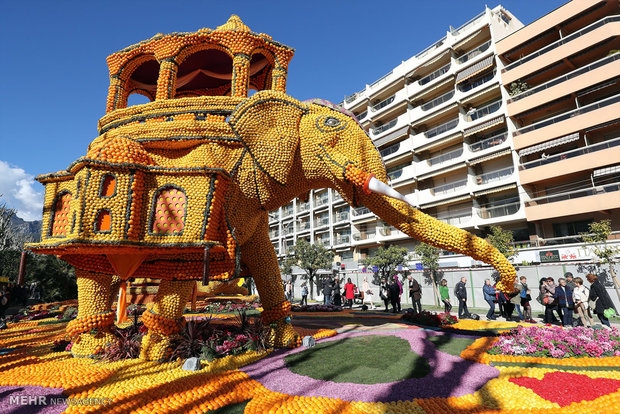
x,y
555,342
316,308
429,318
228,307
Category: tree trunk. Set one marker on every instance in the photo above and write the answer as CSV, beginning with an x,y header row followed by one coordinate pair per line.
x,y
614,279
435,290
311,280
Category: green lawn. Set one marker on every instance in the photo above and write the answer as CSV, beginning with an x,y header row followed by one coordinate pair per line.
x,y
371,359
450,344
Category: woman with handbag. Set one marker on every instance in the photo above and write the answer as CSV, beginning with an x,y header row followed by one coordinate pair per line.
x,y
600,301
550,303
580,297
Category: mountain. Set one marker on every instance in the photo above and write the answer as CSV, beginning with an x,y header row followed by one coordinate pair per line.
x,y
32,229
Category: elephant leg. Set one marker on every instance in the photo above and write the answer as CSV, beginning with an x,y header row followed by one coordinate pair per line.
x,y
165,319
260,257
90,331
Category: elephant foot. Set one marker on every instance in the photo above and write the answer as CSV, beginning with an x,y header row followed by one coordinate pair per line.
x,y
155,347
92,344
283,335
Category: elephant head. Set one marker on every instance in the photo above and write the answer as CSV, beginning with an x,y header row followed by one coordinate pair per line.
x,y
297,146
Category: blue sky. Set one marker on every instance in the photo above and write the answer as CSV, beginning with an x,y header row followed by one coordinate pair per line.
x,y
55,78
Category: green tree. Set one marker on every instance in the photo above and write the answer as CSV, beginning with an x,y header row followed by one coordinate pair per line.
x,y
429,257
503,241
311,258
387,260
596,241
286,265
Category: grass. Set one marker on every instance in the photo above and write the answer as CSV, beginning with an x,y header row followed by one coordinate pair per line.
x,y
450,344
371,359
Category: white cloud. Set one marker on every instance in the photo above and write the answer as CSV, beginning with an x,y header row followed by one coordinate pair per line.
x,y
19,191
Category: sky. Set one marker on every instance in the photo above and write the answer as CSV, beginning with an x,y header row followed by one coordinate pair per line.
x,y
55,79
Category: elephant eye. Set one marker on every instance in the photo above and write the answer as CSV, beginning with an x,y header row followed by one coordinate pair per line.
x,y
331,122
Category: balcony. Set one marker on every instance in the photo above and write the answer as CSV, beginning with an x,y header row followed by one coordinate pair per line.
x,y
488,142
385,127
484,111
342,238
449,188
321,222
341,217
337,198
321,201
287,211
465,26
351,98
381,79
446,157
361,116
494,176
457,221
303,226
382,104
303,207
274,215
473,53
501,210
322,241
435,75
364,236
440,129
274,233
465,86
438,101
431,48
361,213
394,150
401,175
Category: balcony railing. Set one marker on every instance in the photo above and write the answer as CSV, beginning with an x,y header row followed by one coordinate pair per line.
x,y
322,241
302,207
438,101
440,129
562,41
321,201
488,142
364,236
473,53
382,104
351,98
571,154
273,215
601,189
362,116
389,150
381,79
435,45
360,211
337,196
468,86
385,127
321,222
467,25
440,159
288,230
395,174
494,176
342,239
304,225
449,188
455,220
274,234
579,111
439,72
342,216
488,212
594,65
287,211
485,110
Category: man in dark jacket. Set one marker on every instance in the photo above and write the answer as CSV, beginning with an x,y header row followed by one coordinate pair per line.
x,y
394,295
489,297
564,296
415,293
461,295
327,291
600,295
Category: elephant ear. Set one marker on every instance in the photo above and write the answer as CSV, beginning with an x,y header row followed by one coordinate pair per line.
x,y
268,124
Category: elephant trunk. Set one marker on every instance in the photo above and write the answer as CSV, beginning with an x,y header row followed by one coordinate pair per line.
x,y
397,210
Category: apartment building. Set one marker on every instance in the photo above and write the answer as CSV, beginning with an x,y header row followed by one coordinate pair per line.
x,y
439,120
562,77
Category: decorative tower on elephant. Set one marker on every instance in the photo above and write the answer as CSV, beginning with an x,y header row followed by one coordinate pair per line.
x,y
178,189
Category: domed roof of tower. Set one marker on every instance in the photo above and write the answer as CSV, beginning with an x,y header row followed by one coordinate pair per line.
x,y
234,23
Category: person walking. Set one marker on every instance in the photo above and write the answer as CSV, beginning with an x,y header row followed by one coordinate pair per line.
x,y
551,304
570,281
349,288
304,294
526,297
384,293
395,293
368,296
489,296
460,292
580,298
601,299
444,292
400,289
327,291
415,293
515,299
564,296
289,290
336,296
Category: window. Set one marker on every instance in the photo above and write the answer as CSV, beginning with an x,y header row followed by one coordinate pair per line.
x,y
169,208
60,217
108,186
572,228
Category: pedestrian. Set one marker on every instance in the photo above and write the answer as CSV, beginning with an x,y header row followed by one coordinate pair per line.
x,y
304,294
570,281
460,292
349,288
368,296
336,296
490,295
444,292
289,290
564,296
600,302
526,297
397,278
580,298
395,295
327,291
415,293
384,293
4,301
515,299
550,302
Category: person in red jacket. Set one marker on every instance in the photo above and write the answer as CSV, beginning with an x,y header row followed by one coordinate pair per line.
x,y
349,289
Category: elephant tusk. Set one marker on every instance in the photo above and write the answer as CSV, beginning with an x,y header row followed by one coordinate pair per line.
x,y
377,186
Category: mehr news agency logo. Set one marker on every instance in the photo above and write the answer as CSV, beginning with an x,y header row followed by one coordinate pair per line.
x,y
55,400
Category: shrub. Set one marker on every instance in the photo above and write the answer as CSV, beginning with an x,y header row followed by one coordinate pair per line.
x,y
429,318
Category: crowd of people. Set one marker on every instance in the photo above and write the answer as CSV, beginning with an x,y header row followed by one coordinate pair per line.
x,y
12,294
572,302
